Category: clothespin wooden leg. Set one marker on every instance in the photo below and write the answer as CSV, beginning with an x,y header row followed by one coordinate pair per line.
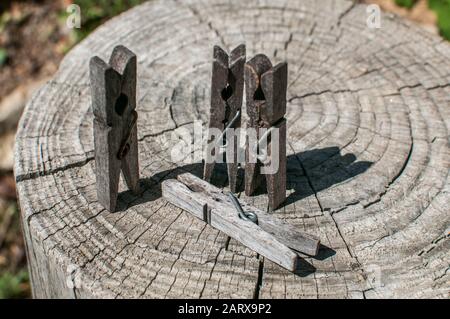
x,y
274,84
107,167
125,63
276,182
227,87
266,106
252,172
219,81
130,165
113,88
105,87
234,103
232,162
255,100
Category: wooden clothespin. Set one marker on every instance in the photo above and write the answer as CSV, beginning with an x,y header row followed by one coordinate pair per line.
x,y
269,236
227,87
266,106
113,88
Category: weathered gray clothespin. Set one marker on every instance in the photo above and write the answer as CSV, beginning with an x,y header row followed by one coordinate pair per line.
x,y
258,230
227,87
266,106
113,88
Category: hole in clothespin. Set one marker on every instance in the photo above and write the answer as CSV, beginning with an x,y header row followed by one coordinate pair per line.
x,y
227,92
259,94
121,104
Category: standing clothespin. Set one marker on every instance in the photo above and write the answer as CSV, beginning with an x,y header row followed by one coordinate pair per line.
x,y
266,106
227,87
113,88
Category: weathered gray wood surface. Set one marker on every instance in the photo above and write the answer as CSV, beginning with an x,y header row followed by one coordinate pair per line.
x,y
368,158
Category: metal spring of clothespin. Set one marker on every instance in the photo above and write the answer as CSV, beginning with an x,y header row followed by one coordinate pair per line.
x,y
125,145
248,216
266,87
227,86
113,89
221,140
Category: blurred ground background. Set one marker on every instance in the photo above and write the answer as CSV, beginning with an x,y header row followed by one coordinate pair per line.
x,y
33,40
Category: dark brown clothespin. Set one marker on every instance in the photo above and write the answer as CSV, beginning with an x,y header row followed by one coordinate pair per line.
x,y
113,88
227,87
266,106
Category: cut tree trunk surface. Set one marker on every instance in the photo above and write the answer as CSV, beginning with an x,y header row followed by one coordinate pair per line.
x,y
368,118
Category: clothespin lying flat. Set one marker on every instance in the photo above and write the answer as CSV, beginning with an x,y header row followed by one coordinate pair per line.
x,y
269,236
266,106
227,87
113,88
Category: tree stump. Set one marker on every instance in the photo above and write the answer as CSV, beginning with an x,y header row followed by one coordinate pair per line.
x,y
368,118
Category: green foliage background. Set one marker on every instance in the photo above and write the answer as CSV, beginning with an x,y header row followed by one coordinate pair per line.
x,y
11,284
442,9
406,3
94,13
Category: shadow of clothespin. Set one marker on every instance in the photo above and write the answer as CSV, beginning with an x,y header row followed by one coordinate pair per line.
x,y
113,88
266,87
227,87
